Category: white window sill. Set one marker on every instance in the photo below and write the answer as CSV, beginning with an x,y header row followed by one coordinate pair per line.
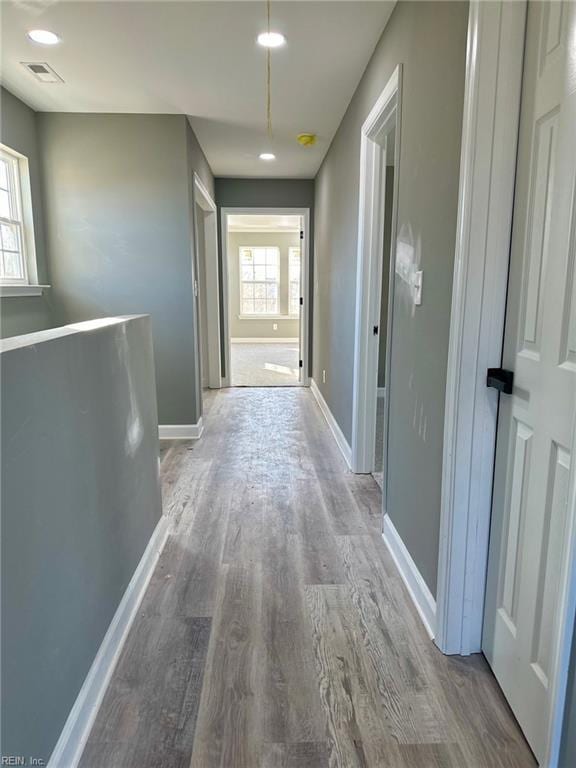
x,y
268,317
7,290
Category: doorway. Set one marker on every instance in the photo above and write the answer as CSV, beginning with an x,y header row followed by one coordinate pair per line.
x,y
264,266
389,171
379,154
529,566
206,290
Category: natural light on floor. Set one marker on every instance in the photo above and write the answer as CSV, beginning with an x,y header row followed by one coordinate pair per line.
x,y
264,365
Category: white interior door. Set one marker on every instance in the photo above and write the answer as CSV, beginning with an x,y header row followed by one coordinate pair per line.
x,y
531,514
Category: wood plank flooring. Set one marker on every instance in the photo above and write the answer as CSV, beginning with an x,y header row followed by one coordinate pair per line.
x,y
276,631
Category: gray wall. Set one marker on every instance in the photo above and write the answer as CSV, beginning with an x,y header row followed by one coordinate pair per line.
x,y
429,39
261,327
269,193
80,500
119,225
18,130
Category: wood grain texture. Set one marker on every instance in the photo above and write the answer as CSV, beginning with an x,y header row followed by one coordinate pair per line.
x,y
276,631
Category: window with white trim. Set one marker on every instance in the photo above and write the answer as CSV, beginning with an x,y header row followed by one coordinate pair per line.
x,y
13,237
259,280
294,261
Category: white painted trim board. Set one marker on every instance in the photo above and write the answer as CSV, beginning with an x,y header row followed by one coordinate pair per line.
x,y
70,745
181,431
332,423
210,334
387,111
411,576
487,177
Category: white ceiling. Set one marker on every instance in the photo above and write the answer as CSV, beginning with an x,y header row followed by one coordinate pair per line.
x,y
201,59
263,223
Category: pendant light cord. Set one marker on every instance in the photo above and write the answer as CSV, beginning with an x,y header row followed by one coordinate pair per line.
x,y
268,78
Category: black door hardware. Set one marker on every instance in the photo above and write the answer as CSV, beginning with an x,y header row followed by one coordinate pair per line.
x,y
500,379
375,330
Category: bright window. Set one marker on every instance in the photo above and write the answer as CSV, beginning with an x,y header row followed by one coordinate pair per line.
x,y
13,269
294,280
259,280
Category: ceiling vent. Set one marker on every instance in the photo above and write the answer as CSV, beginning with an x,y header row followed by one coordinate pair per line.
x,y
42,71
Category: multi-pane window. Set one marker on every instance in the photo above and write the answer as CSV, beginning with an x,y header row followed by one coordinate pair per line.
x,y
294,281
259,280
12,257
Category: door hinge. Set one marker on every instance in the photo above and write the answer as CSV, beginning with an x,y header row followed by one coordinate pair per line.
x,y
301,301
301,234
301,363
375,330
500,379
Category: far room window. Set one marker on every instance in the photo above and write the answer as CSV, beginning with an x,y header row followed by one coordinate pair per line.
x,y
294,280
259,280
16,236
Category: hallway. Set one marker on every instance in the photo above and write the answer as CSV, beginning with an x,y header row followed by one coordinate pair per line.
x,y
275,631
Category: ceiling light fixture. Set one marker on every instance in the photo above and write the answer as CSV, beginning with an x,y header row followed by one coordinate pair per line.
x,y
271,39
43,36
267,156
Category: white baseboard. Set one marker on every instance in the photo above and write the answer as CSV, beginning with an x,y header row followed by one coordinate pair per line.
x,y
72,741
417,587
332,423
181,431
264,340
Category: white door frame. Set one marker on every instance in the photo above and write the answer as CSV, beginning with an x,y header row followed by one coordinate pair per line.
x,y
203,198
494,68
386,112
304,280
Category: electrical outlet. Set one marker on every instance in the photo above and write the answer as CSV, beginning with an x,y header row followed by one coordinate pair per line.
x,y
323,377
274,326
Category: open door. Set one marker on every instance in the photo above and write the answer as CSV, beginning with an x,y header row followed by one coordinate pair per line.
x,y
531,518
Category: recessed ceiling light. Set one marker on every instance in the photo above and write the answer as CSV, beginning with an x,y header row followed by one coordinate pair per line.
x,y
267,156
44,37
271,39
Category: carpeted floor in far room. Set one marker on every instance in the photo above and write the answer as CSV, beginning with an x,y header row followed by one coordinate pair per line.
x,y
264,365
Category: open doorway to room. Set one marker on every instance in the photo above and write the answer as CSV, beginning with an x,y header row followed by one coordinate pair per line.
x,y
264,260
380,143
390,141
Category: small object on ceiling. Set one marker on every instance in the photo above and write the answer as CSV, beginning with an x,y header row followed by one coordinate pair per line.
x,y
306,139
42,71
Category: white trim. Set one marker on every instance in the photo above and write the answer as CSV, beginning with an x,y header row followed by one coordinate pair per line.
x,y
305,315
386,110
204,199
7,290
181,431
381,392
411,576
264,340
212,332
487,177
332,423
70,745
